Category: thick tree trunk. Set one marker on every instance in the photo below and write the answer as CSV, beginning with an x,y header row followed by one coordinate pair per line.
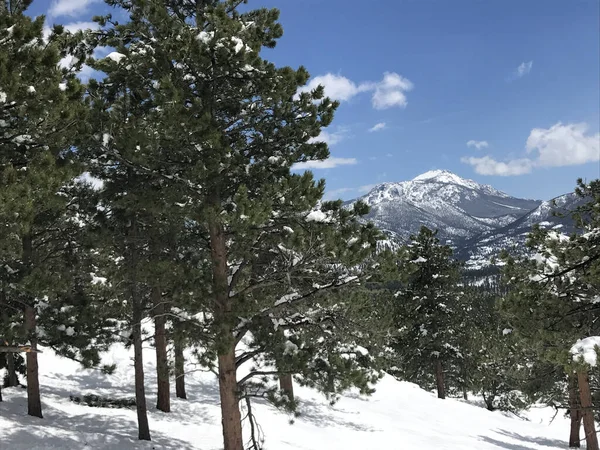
x,y
439,379
286,383
34,402
574,412
231,418
179,366
138,362
589,425
163,402
465,394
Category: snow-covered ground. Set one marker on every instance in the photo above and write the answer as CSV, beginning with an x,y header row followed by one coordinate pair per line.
x,y
398,416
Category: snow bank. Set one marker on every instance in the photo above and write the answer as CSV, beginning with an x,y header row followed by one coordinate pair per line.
x,y
398,416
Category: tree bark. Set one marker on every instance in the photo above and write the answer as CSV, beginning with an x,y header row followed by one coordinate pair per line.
x,y
13,379
179,366
137,309
34,402
286,383
587,412
439,379
231,419
163,402
138,362
574,412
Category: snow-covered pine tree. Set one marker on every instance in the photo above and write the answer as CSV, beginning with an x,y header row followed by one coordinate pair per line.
x,y
553,301
41,114
231,127
429,311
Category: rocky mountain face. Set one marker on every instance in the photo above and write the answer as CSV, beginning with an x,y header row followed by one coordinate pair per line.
x,y
477,220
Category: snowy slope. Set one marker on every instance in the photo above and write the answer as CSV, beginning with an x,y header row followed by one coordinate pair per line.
x,y
479,249
459,208
398,416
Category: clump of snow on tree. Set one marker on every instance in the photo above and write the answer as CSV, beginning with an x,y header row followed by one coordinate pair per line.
x,y
584,350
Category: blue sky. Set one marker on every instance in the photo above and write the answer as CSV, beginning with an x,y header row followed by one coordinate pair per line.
x,y
503,92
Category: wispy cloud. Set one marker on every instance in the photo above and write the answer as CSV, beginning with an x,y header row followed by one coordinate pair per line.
x,y
477,144
558,146
377,127
71,8
523,69
328,163
388,93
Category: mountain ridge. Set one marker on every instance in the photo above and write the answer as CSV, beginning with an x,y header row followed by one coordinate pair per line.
x,y
466,214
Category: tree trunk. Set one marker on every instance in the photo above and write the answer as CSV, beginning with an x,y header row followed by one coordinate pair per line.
x,y
138,362
231,419
163,402
13,379
34,402
137,310
286,383
574,412
465,394
589,426
179,366
439,379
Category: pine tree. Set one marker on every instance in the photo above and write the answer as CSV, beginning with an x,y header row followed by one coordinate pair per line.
x,y
41,113
429,312
552,302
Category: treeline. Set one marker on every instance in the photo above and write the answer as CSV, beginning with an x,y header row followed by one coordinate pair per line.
x,y
163,191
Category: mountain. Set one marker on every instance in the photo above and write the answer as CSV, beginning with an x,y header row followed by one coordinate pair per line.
x,y
459,208
479,249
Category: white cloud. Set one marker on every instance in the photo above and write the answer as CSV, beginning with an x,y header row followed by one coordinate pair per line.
x,y
69,7
331,138
477,144
564,145
328,163
73,27
523,69
558,146
391,91
387,93
377,127
487,165
337,87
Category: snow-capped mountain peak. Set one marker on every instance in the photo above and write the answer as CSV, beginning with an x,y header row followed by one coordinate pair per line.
x,y
447,177
439,199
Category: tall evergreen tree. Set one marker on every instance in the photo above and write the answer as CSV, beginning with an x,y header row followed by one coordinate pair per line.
x,y
222,127
429,312
553,300
41,112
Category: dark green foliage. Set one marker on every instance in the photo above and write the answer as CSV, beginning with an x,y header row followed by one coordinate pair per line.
x,y
98,401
